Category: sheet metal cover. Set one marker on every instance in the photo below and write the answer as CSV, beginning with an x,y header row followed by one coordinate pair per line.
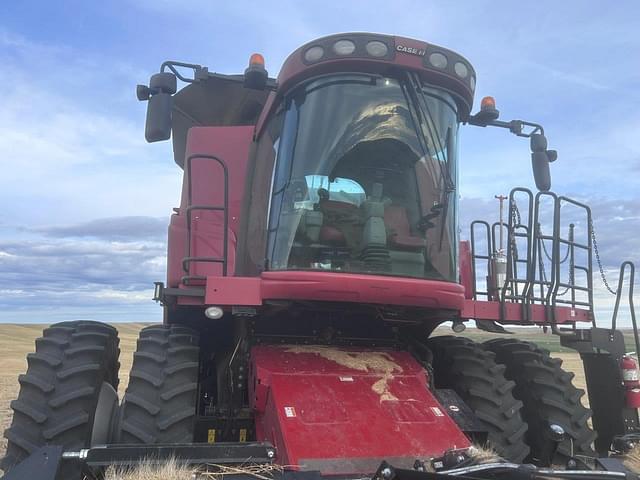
x,y
342,411
213,102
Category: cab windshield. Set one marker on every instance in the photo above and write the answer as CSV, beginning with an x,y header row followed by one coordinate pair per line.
x,y
365,179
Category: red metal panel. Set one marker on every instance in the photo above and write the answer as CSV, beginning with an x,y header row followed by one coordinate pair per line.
x,y
233,291
231,145
342,411
362,288
484,310
466,270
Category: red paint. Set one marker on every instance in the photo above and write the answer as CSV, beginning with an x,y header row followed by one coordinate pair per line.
x,y
466,269
325,416
483,310
295,70
230,144
374,289
245,291
336,287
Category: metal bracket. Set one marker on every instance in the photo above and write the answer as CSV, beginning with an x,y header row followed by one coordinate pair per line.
x,y
42,464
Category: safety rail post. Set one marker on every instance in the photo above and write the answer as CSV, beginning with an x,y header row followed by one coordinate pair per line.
x,y
572,244
537,261
475,257
632,310
188,260
515,226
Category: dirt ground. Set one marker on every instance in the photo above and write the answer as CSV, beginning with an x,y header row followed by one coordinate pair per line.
x,y
18,340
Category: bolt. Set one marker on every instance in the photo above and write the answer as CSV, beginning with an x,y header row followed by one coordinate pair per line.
x,y
419,466
386,473
271,454
556,432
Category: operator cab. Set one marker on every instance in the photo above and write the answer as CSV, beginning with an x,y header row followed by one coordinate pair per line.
x,y
365,178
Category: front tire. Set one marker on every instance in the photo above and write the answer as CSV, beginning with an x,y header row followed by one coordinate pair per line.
x,y
160,401
549,397
465,367
59,393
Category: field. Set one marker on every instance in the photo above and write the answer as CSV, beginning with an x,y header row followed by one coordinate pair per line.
x,y
18,340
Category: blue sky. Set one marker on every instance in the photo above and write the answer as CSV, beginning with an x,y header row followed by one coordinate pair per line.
x,y
86,200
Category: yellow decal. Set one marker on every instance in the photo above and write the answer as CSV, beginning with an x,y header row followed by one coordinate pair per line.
x,y
211,435
243,435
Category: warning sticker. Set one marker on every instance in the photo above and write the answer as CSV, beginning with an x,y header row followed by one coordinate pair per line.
x,y
437,412
289,412
346,379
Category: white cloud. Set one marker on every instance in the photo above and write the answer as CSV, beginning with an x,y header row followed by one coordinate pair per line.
x,y
64,159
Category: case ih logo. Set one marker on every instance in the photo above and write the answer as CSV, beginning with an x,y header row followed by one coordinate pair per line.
x,y
411,50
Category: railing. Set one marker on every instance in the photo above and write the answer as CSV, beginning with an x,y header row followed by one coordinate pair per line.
x,y
188,260
632,309
529,250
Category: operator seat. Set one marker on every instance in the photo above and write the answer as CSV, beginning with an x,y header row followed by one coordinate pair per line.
x,y
405,250
332,236
340,221
399,230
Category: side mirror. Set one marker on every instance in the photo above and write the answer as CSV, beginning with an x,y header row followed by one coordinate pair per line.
x,y
540,159
159,94
541,172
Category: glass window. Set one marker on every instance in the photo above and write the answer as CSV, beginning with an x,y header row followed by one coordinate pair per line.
x,y
365,179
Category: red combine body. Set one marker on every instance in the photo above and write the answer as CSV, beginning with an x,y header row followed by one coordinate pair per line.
x,y
314,253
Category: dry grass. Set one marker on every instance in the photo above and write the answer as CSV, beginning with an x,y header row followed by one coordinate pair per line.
x,y
174,470
170,470
481,454
632,460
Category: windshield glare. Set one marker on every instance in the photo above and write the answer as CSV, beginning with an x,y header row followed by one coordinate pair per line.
x,y
365,179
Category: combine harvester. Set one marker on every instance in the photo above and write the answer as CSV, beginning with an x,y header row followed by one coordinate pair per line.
x,y
314,253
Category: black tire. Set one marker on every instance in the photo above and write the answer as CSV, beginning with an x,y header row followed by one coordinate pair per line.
x,y
549,397
465,367
160,401
59,392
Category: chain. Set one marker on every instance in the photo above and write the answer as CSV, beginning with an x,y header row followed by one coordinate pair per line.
x,y
543,272
515,214
546,253
571,267
595,250
515,220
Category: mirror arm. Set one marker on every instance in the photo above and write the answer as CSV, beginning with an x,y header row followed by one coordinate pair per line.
x,y
514,126
199,72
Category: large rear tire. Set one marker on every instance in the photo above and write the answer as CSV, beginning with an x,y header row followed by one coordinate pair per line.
x,y
160,401
465,367
59,393
549,397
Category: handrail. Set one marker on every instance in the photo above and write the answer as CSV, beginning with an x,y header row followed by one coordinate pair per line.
x,y
632,310
542,283
475,257
224,208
